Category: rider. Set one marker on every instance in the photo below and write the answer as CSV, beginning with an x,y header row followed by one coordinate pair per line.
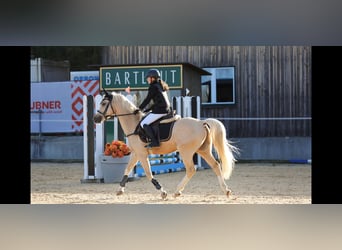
x,y
161,105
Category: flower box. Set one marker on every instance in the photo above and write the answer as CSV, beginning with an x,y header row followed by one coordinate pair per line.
x,y
113,168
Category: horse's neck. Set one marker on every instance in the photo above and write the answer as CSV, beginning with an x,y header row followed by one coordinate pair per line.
x,y
128,122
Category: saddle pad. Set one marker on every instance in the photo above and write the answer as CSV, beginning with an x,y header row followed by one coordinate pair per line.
x,y
165,130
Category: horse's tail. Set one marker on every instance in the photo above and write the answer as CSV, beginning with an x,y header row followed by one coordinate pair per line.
x,y
223,147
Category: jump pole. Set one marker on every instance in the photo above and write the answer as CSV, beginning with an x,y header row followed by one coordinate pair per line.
x,y
89,141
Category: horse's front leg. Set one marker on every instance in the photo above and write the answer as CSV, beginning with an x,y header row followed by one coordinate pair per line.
x,y
147,168
132,162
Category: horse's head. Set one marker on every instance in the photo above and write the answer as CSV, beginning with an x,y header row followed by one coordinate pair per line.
x,y
106,109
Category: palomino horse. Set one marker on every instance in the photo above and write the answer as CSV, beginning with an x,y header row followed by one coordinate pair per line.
x,y
189,136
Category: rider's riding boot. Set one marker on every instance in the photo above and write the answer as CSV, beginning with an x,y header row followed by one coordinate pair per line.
x,y
150,133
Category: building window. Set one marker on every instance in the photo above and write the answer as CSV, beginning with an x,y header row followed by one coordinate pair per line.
x,y
219,87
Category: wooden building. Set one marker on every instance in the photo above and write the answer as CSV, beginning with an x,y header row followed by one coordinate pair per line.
x,y
271,88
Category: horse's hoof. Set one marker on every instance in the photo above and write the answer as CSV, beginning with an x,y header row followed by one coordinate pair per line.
x,y
177,194
163,195
228,193
120,191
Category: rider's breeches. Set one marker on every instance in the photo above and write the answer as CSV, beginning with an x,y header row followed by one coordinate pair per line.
x,y
151,117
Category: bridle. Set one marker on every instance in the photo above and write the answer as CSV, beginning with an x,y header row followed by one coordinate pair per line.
x,y
110,98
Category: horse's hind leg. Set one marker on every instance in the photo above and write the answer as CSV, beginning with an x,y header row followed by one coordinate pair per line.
x,y
189,172
209,158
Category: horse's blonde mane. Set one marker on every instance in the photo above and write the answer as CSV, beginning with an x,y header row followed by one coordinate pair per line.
x,y
122,103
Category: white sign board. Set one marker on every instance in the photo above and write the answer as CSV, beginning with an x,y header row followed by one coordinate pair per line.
x,y
51,107
84,75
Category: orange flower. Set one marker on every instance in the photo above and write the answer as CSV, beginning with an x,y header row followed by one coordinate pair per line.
x,y
113,147
107,152
119,153
116,149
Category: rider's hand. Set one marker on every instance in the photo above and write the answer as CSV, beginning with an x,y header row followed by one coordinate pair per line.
x,y
136,111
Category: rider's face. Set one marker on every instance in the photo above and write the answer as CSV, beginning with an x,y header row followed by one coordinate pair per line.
x,y
149,79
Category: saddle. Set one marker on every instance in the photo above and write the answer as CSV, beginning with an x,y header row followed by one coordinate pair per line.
x,y
162,127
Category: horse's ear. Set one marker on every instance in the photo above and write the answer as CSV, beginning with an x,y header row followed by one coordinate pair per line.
x,y
105,92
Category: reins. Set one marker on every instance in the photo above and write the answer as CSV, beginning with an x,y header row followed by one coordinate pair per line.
x,y
109,97
111,106
115,115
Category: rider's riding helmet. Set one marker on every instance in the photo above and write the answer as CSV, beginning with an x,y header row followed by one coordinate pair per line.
x,y
153,73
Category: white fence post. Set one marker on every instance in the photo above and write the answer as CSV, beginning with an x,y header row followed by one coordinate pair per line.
x,y
85,138
99,141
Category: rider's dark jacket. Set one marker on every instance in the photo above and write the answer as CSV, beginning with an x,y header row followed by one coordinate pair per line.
x,y
156,93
